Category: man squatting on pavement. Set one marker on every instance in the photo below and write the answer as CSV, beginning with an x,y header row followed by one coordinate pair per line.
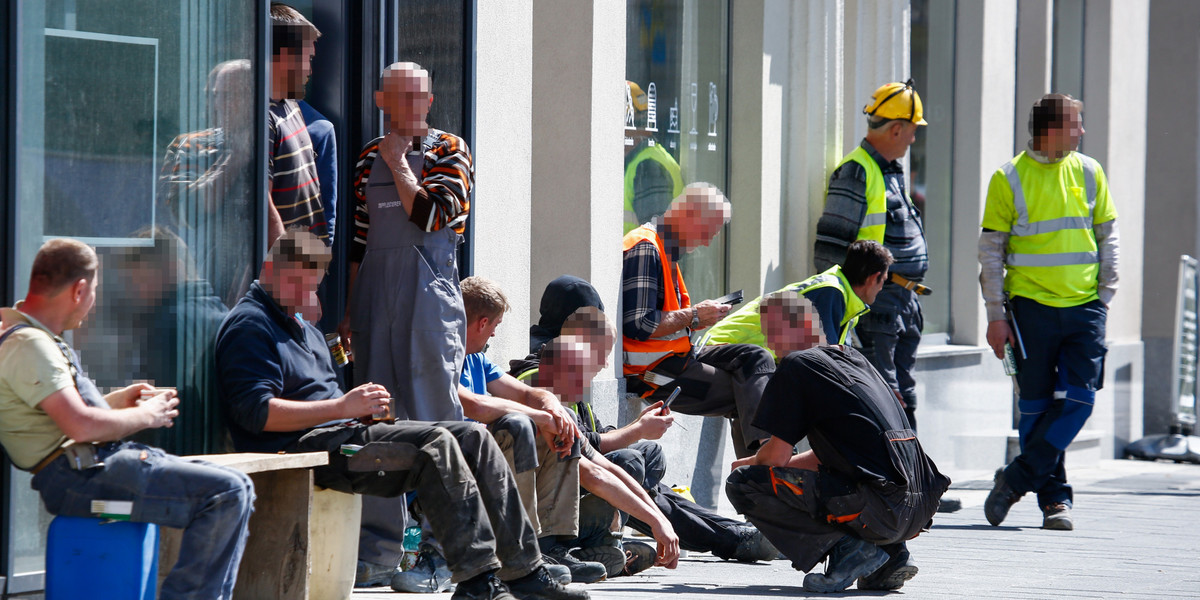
x,y
280,390
490,391
570,306
1049,249
659,317
867,486
55,424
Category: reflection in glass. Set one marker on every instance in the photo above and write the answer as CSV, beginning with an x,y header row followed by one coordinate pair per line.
x,y
676,132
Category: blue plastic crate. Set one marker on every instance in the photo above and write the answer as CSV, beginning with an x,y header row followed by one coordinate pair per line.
x,y
89,558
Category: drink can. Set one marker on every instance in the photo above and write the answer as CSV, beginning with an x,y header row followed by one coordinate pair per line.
x,y
336,350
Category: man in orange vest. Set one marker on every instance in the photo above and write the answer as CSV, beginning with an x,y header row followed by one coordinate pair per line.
x,y
659,317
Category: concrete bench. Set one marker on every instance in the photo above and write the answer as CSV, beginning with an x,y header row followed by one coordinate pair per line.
x,y
303,540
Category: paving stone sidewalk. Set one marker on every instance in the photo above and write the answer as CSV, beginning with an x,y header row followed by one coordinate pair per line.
x,y
1137,535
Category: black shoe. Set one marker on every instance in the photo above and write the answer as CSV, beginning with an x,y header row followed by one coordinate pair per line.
x,y
753,546
1057,516
999,500
538,585
949,505
581,571
638,557
612,557
892,575
482,587
850,559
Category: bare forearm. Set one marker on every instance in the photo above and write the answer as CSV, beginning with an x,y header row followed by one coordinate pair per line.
x,y
618,489
620,438
99,425
293,415
274,223
673,321
487,409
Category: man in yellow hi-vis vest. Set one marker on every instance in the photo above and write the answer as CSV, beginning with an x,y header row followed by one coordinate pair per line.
x,y
1049,246
867,200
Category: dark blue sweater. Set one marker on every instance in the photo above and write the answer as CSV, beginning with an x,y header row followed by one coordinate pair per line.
x,y
263,353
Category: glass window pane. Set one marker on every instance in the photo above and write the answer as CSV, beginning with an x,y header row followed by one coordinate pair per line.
x,y
677,58
135,134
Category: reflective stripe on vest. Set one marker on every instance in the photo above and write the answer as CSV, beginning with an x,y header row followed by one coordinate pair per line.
x,y
1023,227
642,355
875,219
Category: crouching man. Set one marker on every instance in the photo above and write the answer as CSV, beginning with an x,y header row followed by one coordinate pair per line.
x,y
867,486
281,394
55,424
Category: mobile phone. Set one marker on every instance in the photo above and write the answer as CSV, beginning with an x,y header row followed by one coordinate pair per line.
x,y
671,398
730,299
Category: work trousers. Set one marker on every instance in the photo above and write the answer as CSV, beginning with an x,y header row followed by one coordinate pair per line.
x,y
549,485
1057,380
890,334
211,503
719,381
466,490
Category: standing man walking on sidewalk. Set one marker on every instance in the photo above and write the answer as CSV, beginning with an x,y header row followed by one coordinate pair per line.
x,y
1049,244
867,200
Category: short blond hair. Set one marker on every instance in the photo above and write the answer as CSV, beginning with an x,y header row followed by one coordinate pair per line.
x,y
482,298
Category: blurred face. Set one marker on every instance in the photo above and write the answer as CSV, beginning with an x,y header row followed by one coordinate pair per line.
x,y
482,330
1065,138
290,71
701,219
294,288
784,338
404,97
574,370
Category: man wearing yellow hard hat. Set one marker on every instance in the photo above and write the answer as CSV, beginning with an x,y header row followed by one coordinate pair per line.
x,y
867,199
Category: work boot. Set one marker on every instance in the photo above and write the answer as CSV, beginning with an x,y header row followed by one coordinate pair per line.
x,y
612,557
559,573
429,575
1057,516
949,505
753,546
849,559
638,557
482,587
538,585
892,575
369,574
999,500
581,571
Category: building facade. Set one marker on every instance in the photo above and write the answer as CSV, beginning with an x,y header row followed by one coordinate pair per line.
x,y
113,119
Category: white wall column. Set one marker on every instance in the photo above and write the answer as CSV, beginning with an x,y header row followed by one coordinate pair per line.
x,y
1035,45
578,102
983,140
503,147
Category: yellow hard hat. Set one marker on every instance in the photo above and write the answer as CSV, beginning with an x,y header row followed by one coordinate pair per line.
x,y
890,102
637,95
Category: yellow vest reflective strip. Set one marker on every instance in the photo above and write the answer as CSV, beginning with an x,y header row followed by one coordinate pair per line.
x,y
855,308
660,155
875,218
1023,228
641,355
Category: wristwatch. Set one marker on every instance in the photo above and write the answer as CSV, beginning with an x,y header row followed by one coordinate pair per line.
x,y
695,318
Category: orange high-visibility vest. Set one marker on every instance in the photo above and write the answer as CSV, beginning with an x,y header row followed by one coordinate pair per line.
x,y
641,356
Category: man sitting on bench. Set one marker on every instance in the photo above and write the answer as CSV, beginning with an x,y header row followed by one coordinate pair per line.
x,y
281,394
55,424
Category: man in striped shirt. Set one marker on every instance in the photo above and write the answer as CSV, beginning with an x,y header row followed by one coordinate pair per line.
x,y
291,162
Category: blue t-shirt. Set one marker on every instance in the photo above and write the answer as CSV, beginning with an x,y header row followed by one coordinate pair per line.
x,y
477,372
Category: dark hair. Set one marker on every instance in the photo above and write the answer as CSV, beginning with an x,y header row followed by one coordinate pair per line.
x,y
1050,112
865,258
60,263
300,248
289,29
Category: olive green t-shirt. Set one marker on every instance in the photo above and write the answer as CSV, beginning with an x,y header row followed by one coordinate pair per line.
x,y
32,367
